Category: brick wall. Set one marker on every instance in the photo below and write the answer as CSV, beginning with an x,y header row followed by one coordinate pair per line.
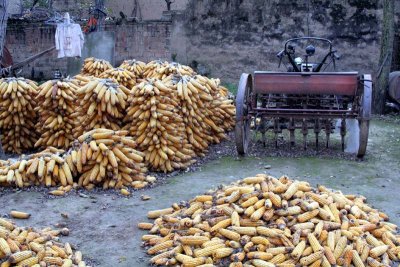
x,y
143,41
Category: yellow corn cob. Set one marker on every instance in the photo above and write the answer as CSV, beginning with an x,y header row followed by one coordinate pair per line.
x,y
207,251
378,251
160,247
357,260
298,250
19,214
229,234
4,247
311,258
259,255
316,246
193,240
222,253
20,256
261,263
244,230
339,248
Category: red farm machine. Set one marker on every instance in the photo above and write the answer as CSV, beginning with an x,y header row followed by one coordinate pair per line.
x,y
305,97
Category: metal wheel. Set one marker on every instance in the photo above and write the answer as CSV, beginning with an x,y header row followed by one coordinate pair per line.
x,y
365,115
243,104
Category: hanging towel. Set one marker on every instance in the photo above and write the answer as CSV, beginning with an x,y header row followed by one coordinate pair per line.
x,y
69,40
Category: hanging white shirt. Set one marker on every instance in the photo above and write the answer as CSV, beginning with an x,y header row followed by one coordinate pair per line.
x,y
69,40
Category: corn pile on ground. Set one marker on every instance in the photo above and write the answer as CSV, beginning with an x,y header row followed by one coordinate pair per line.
x,y
56,108
99,157
102,104
17,114
263,221
25,246
94,67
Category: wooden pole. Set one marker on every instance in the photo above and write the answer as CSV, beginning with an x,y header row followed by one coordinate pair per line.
x,y
385,58
3,24
3,28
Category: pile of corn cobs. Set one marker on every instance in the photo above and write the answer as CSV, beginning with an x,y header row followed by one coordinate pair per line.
x,y
20,246
264,221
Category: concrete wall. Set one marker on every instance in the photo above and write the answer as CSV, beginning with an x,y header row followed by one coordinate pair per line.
x,y
229,37
143,41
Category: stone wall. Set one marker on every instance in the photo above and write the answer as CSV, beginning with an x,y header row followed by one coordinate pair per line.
x,y
143,41
228,37
150,9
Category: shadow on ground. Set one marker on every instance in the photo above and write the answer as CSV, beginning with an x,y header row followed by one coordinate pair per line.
x,y
103,225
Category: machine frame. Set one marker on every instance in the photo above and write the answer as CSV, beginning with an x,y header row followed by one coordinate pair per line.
x,y
286,96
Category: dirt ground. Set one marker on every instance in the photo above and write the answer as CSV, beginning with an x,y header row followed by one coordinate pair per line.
x,y
103,224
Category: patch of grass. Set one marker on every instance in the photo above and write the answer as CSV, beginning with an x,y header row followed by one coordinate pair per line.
x,y
231,87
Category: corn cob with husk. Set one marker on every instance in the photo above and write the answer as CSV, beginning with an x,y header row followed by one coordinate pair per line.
x,y
26,246
254,222
17,114
94,67
57,102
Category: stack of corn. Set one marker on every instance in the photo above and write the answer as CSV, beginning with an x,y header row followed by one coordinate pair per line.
x,y
47,167
135,66
264,222
56,106
94,67
157,126
108,158
21,246
158,69
206,112
102,104
17,114
121,76
176,118
99,157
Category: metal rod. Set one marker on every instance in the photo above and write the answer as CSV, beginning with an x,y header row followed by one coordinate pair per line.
x,y
317,129
328,132
343,132
276,130
305,132
292,128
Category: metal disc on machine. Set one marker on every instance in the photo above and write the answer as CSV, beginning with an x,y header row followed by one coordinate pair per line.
x,y
242,128
365,115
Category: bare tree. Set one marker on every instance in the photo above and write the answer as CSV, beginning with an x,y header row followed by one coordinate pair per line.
x,y
169,3
385,59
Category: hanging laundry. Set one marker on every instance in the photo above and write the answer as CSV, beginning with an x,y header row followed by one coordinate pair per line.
x,y
69,38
